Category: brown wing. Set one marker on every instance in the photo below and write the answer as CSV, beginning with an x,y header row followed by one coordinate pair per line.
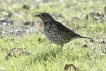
x,y
62,28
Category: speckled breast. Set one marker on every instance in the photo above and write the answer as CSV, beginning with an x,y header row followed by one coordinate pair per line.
x,y
56,36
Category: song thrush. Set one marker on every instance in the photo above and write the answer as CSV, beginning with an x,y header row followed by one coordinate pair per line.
x,y
55,31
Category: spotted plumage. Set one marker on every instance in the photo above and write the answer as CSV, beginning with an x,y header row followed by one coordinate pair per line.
x,y
55,31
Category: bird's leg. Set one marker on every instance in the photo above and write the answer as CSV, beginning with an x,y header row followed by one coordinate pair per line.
x,y
50,44
61,46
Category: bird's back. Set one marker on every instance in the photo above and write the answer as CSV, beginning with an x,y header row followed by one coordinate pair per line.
x,y
57,33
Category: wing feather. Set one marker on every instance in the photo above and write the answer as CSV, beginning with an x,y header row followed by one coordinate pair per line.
x,y
64,29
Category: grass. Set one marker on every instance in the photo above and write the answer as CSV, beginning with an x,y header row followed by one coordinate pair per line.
x,y
46,56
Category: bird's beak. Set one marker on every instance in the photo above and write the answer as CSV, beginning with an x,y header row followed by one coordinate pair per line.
x,y
36,15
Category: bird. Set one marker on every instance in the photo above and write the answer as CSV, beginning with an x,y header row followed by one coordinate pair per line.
x,y
55,31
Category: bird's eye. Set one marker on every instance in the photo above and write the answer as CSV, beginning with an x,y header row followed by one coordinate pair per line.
x,y
43,15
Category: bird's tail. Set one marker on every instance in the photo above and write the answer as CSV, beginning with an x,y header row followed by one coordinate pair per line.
x,y
85,37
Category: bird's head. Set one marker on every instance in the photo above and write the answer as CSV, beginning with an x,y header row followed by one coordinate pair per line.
x,y
46,17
